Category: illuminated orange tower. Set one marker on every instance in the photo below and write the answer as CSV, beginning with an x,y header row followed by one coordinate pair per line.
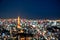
x,y
18,26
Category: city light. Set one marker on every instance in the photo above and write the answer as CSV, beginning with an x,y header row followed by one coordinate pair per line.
x,y
29,29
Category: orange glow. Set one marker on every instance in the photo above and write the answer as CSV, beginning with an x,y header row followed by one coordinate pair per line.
x,y
21,31
18,26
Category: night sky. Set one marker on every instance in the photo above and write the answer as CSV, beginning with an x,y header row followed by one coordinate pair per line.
x,y
30,9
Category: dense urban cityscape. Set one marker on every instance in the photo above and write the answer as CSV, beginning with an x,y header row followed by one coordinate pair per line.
x,y
29,19
24,29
